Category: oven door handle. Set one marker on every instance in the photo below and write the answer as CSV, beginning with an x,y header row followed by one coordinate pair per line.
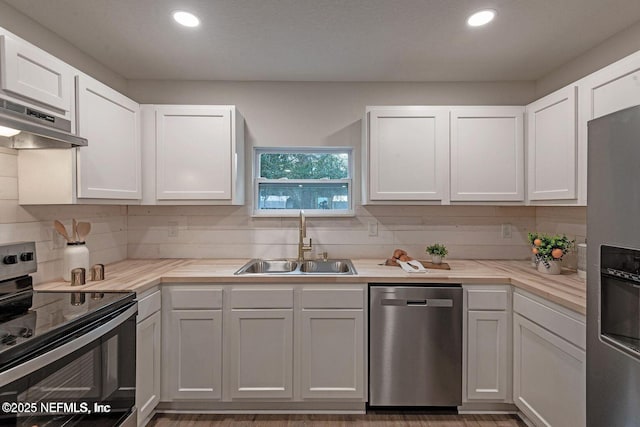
x,y
49,357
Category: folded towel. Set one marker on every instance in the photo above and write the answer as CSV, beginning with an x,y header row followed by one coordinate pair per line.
x,y
410,267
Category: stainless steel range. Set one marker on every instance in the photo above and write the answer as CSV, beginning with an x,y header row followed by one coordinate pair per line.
x,y
66,358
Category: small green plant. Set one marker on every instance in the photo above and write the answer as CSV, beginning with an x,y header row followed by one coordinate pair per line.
x,y
549,247
437,249
532,237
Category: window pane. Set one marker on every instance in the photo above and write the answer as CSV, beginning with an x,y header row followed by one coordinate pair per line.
x,y
329,196
304,165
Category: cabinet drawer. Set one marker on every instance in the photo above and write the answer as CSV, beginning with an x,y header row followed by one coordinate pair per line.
x,y
332,298
549,318
487,299
149,305
261,298
203,298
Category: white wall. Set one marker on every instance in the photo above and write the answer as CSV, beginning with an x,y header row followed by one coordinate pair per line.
x,y
614,48
28,29
107,242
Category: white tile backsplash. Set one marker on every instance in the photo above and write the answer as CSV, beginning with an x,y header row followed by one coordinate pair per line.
x,y
120,232
469,232
107,241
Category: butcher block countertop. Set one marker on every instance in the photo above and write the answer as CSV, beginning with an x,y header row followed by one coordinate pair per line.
x,y
140,275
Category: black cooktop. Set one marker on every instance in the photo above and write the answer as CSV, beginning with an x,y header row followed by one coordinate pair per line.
x,y
50,317
33,322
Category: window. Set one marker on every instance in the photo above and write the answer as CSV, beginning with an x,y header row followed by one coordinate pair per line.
x,y
317,180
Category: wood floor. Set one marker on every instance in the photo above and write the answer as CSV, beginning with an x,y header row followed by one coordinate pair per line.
x,y
374,420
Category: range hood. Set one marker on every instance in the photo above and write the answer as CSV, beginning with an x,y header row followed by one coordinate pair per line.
x,y
23,127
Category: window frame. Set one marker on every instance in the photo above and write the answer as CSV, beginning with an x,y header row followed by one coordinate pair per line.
x,y
257,180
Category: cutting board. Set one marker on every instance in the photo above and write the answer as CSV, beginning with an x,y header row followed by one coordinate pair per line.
x,y
429,264
426,264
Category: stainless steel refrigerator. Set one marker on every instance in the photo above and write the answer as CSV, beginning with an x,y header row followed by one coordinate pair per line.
x,y
613,271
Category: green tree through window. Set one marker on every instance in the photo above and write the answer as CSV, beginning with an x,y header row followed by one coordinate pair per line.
x,y
313,179
304,165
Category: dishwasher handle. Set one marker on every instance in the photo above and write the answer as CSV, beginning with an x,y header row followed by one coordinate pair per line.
x,y
429,302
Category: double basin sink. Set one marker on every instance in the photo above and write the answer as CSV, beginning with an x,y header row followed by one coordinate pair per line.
x,y
301,268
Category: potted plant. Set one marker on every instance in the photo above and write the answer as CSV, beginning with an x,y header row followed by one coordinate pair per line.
x,y
438,252
549,250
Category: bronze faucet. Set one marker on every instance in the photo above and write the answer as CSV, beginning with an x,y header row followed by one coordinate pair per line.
x,y
302,233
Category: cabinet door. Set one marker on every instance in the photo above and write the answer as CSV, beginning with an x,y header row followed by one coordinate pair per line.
x,y
552,146
194,152
487,159
32,73
408,154
148,366
613,88
261,353
332,364
110,166
606,91
488,367
194,348
549,376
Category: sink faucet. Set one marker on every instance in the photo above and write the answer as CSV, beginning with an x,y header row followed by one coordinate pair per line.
x,y
302,233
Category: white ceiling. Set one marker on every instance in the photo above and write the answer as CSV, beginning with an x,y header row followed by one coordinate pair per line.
x,y
333,40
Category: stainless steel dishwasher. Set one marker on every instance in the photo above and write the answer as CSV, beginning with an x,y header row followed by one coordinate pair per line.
x,y
415,345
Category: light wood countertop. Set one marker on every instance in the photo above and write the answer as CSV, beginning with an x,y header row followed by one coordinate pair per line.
x,y
140,275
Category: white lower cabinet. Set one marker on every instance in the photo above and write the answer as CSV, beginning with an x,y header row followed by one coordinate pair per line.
x,y
488,343
195,354
332,357
148,366
549,363
261,353
192,343
148,348
488,367
267,343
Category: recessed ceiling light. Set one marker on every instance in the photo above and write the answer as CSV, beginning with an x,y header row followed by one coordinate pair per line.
x,y
481,18
185,18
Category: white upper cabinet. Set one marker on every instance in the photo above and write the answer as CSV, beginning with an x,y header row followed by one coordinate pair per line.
x,y
407,153
487,154
32,74
608,90
110,166
196,151
552,146
108,170
612,88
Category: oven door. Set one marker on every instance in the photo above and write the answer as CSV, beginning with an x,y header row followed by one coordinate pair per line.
x,y
89,380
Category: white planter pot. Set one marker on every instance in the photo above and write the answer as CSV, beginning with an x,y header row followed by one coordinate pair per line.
x,y
436,259
555,267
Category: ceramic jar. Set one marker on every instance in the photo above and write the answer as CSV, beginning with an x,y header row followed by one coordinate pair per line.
x,y
76,255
